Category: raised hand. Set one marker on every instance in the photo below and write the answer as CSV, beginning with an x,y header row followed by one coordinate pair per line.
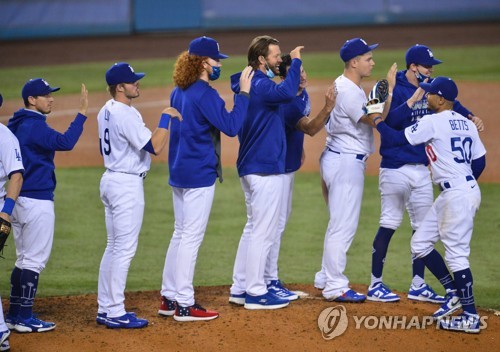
x,y
246,79
84,100
391,76
295,53
330,97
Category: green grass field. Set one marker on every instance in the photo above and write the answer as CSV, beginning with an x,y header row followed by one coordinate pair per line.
x,y
80,236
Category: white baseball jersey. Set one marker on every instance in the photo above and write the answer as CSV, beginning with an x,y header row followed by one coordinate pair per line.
x,y
122,135
10,156
452,142
345,133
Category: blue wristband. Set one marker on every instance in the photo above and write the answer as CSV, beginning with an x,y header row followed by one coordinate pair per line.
x,y
164,121
8,206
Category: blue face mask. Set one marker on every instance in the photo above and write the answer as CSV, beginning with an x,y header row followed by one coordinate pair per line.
x,y
421,77
269,72
215,73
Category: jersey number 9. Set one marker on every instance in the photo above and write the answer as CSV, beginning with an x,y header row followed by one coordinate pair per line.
x,y
106,148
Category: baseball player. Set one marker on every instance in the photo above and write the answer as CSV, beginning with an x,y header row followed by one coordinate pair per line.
x,y
261,167
405,180
194,163
126,144
343,162
11,171
457,158
297,123
33,217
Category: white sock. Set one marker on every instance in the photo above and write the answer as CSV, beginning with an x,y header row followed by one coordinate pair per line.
x,y
375,280
417,281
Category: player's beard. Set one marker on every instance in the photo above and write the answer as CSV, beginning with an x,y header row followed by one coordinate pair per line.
x,y
131,94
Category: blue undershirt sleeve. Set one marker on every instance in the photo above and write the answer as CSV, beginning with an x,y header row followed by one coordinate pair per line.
x,y
462,110
478,166
149,148
391,136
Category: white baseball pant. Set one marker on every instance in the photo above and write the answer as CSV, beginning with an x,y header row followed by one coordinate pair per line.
x,y
263,196
344,176
191,210
409,187
123,198
33,223
451,219
271,272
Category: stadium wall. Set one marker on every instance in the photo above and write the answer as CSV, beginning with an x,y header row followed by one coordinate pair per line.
x,y
22,19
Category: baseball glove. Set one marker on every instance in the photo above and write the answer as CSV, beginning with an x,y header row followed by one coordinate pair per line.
x,y
377,97
379,92
5,228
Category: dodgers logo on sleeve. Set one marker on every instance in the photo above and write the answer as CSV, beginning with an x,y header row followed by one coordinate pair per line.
x,y
18,155
414,127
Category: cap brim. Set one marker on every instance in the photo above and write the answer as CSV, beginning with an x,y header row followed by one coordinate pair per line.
x,y
425,86
372,47
138,76
223,56
436,62
54,89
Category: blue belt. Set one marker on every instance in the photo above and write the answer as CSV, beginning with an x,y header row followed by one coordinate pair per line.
x,y
141,175
358,156
447,185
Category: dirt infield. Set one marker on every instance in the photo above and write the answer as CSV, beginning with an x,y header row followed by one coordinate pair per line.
x,y
294,328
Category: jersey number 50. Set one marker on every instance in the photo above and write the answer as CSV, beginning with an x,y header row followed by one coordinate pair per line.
x,y
462,146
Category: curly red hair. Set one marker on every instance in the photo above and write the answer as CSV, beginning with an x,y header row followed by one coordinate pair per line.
x,y
187,69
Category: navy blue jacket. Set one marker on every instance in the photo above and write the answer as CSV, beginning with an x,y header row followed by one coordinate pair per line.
x,y
262,137
401,116
38,144
192,159
293,112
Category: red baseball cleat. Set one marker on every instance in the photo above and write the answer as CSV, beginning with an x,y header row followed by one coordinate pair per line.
x,y
194,313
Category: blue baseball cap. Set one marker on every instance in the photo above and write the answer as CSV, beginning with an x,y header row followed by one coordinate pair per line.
x,y
354,47
37,87
206,46
421,55
121,72
442,86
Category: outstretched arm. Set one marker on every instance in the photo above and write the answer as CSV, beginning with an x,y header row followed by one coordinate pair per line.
x,y
314,125
391,136
160,134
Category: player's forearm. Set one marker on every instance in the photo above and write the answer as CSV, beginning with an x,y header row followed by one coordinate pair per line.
x,y
159,139
159,136
316,124
68,140
13,189
391,136
14,185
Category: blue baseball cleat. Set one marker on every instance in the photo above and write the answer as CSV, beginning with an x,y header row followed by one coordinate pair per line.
x,y
126,321
350,296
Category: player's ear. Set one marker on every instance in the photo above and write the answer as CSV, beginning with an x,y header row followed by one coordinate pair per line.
x,y
32,100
